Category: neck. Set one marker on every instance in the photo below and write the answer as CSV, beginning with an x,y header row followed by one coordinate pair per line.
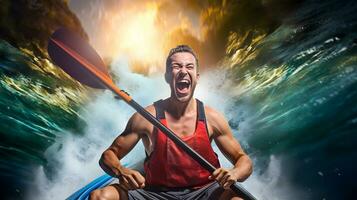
x,y
178,109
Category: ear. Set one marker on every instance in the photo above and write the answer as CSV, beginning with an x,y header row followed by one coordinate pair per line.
x,y
198,76
167,78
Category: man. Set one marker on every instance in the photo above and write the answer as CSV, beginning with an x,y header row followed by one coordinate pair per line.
x,y
169,172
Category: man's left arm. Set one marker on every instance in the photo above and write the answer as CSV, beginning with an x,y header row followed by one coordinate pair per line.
x,y
231,148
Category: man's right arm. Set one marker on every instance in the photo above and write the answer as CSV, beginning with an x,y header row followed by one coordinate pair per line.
x,y
123,144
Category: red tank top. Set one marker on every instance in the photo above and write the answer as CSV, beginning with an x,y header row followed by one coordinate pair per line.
x,y
169,166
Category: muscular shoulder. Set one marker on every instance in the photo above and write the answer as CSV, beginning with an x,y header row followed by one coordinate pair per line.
x,y
139,124
216,122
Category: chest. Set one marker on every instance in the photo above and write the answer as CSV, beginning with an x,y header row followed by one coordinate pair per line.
x,y
184,126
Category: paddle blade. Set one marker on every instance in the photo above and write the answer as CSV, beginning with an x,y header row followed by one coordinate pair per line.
x,y
74,55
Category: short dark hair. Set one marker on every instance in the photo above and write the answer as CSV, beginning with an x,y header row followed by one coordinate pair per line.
x,y
178,49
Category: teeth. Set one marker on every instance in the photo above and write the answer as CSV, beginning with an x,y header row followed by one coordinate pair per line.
x,y
184,81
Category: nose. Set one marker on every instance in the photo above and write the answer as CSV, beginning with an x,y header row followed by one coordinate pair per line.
x,y
182,73
183,70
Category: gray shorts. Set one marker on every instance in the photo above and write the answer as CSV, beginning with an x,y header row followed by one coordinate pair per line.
x,y
210,192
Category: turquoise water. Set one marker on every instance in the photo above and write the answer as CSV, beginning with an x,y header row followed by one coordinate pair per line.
x,y
36,108
294,103
301,88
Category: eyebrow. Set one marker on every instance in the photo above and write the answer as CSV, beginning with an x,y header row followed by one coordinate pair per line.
x,y
182,63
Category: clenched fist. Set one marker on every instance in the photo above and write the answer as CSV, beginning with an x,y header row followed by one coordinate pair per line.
x,y
131,179
224,177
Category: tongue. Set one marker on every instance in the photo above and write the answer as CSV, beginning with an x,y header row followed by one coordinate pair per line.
x,y
182,88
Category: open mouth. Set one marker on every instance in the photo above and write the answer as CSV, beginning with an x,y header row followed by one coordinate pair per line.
x,y
183,86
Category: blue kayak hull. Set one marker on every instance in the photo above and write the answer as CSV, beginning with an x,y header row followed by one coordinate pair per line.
x,y
84,192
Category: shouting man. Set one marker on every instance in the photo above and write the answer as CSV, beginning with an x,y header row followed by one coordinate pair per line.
x,y
169,172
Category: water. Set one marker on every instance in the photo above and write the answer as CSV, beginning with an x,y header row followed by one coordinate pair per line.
x,y
291,103
301,87
37,108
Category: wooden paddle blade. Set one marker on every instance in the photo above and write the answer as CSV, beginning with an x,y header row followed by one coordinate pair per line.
x,y
74,55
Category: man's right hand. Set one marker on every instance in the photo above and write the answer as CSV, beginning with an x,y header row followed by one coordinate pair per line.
x,y
131,179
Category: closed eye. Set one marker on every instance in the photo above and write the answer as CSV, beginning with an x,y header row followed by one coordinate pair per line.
x,y
176,66
190,66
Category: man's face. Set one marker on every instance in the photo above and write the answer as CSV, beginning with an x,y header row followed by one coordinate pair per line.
x,y
182,76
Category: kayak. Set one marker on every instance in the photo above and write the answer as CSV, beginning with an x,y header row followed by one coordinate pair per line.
x,y
83,193
101,181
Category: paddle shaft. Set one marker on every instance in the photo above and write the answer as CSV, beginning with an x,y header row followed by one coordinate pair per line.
x,y
108,83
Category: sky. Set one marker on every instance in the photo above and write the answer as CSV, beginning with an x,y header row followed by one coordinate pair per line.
x,y
145,30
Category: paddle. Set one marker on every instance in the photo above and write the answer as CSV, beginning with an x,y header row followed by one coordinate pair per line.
x,y
77,58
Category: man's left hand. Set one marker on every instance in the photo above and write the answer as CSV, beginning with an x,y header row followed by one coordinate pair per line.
x,y
224,177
